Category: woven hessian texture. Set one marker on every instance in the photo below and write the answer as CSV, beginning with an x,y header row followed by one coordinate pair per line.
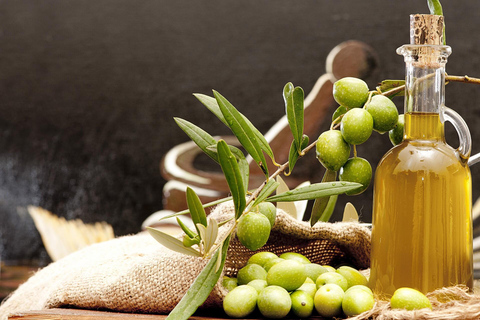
x,y
136,274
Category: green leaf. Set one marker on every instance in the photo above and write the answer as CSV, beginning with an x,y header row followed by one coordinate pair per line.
x,y
201,287
314,191
188,242
321,203
195,206
207,205
243,165
198,135
224,222
267,190
212,105
233,176
242,130
218,263
435,8
341,110
294,154
327,213
185,229
244,169
387,85
260,139
172,243
293,98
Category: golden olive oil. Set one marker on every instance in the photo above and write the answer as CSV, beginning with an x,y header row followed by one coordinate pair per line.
x,y
422,225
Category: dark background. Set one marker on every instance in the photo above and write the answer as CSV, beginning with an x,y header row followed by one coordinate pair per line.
x,y
88,90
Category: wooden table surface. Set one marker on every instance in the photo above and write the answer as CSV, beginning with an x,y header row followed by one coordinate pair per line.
x,y
77,314
11,276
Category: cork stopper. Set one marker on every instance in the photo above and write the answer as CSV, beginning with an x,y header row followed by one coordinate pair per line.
x,y
426,29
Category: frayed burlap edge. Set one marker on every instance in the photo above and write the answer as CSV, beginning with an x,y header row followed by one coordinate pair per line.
x,y
451,303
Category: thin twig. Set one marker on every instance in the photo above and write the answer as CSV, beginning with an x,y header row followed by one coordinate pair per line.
x,y
448,78
465,79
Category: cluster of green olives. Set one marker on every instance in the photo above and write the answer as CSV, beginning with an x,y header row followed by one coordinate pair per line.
x,y
289,284
360,113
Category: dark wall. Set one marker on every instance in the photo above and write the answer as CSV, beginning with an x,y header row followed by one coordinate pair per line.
x,y
88,90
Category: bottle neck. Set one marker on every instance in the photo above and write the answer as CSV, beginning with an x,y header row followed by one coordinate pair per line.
x,y
424,91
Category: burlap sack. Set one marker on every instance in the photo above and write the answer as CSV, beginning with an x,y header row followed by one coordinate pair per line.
x,y
136,274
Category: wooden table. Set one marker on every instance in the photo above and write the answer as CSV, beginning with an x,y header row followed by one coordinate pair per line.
x,y
11,276
77,314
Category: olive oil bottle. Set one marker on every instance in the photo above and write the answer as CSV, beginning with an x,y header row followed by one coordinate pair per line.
x,y
422,223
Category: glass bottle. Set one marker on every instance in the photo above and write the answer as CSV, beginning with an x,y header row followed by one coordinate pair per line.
x,y
422,223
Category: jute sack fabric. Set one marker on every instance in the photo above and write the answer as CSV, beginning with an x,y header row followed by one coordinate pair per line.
x,y
136,274
452,303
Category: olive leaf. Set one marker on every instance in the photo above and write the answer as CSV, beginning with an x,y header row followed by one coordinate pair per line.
x,y
288,206
212,105
293,154
328,211
196,209
340,111
186,211
387,85
201,287
314,191
301,206
261,140
172,243
186,229
267,190
198,135
218,263
233,176
208,234
244,169
242,130
350,214
243,165
320,204
435,8
293,98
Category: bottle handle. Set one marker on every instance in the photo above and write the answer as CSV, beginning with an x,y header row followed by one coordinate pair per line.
x,y
465,148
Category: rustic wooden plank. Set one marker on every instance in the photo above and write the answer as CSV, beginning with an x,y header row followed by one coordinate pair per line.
x,y
79,314
76,314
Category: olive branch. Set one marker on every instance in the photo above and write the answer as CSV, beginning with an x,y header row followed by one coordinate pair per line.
x,y
204,241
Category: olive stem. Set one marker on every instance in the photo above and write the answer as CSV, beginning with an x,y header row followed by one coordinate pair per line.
x,y
464,79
